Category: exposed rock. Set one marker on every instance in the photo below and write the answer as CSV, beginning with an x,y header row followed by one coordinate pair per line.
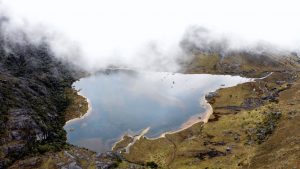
x,y
210,96
74,165
264,129
228,149
73,158
250,103
32,97
209,154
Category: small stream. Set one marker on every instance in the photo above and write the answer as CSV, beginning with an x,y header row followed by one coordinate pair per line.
x,y
126,102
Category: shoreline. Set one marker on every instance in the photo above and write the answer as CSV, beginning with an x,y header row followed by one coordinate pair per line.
x,y
197,118
189,123
192,121
136,138
88,112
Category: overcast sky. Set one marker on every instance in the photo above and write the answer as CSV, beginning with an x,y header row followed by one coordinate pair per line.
x,y
118,30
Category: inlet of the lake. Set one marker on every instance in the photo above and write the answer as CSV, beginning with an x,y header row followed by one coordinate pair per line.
x,y
126,102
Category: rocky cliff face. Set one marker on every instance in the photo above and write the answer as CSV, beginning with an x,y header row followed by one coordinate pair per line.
x,y
32,100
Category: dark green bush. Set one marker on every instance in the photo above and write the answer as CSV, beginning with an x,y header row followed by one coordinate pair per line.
x,y
151,164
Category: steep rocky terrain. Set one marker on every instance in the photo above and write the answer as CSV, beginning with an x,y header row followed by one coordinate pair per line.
x,y
33,100
36,100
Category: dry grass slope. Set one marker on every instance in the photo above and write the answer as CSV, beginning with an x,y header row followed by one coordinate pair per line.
x,y
254,125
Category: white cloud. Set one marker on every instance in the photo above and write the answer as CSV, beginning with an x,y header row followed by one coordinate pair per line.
x,y
110,31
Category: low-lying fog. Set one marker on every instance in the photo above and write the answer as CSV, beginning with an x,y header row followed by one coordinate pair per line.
x,y
145,34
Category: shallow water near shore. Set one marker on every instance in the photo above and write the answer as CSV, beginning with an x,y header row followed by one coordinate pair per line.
x,y
126,102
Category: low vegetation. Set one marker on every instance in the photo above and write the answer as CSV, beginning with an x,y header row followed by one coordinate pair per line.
x,y
243,129
78,104
254,125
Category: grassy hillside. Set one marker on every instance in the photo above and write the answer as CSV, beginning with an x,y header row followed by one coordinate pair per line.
x,y
253,124
241,63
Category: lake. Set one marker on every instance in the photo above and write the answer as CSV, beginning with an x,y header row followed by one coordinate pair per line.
x,y
127,102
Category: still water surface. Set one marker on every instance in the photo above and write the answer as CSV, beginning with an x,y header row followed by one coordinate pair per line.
x,y
126,102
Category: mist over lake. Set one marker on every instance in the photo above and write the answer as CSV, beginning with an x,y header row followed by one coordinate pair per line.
x,y
126,102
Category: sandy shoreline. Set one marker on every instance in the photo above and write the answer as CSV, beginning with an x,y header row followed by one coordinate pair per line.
x,y
192,121
198,118
203,117
84,115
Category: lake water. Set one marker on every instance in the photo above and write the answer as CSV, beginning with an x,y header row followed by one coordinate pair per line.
x,y
126,102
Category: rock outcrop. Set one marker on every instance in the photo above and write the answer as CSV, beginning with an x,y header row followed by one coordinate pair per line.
x,y
32,98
